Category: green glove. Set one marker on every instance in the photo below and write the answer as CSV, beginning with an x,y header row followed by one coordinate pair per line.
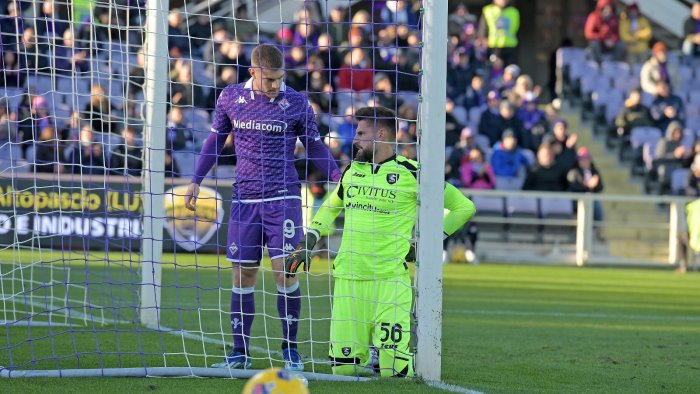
x,y
300,255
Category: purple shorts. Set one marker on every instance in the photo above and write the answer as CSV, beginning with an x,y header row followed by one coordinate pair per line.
x,y
277,224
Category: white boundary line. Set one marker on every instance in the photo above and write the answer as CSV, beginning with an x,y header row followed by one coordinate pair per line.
x,y
572,315
451,387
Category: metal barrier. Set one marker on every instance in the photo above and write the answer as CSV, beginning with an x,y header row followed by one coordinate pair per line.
x,y
537,227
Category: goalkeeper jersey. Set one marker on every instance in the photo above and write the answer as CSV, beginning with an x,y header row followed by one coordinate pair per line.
x,y
380,203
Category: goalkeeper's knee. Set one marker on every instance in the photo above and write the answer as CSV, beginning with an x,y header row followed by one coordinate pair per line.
x,y
394,362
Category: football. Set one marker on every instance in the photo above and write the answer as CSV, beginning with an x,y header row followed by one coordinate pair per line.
x,y
275,381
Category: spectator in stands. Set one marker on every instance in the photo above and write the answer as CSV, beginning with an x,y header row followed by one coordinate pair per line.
x,y
362,20
10,26
563,144
657,69
346,131
523,86
327,53
496,71
585,178
474,96
33,56
384,93
227,157
305,34
407,132
456,154
691,32
69,58
6,124
670,154
458,19
126,158
199,32
507,159
356,74
398,12
452,126
296,67
533,119
333,141
508,121
634,114
87,158
499,25
459,74
603,32
635,32
406,72
694,155
546,174
510,75
476,172
99,111
11,76
338,27
693,188
490,118
183,91
49,24
666,107
71,131
179,135
48,153
176,36
689,235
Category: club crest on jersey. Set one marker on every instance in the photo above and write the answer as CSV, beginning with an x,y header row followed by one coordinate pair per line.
x,y
284,104
233,247
346,351
392,178
241,100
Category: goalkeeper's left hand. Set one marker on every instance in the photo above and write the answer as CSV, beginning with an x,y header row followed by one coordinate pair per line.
x,y
300,255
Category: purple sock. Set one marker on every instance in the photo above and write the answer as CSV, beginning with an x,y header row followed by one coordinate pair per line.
x,y
289,309
242,314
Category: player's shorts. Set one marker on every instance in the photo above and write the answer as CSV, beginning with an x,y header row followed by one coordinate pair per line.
x,y
371,312
277,224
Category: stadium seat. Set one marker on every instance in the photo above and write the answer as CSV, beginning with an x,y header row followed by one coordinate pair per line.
x,y
557,208
460,114
614,69
641,135
483,143
225,172
185,163
475,117
509,183
491,208
523,208
686,74
679,181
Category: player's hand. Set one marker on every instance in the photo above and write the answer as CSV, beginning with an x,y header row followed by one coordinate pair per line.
x,y
411,255
300,255
191,196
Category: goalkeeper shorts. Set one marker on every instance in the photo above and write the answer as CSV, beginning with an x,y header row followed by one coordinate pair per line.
x,y
371,313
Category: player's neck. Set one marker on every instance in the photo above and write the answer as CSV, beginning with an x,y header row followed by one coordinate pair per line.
x,y
381,156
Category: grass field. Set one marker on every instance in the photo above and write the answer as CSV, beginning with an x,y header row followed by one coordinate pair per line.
x,y
505,329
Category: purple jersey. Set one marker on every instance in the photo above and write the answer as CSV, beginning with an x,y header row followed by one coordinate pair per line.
x,y
265,133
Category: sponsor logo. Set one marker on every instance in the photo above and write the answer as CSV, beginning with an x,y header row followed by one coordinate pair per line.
x,y
392,178
190,230
370,191
346,351
241,100
284,104
236,322
288,247
233,247
357,174
365,207
273,126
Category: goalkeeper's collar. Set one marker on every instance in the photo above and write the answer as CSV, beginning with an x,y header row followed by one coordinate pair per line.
x,y
249,86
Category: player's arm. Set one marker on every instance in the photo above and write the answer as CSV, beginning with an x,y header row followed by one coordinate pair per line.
x,y
316,151
320,225
460,208
212,147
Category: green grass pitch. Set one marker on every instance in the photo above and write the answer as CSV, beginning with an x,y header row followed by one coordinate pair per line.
x,y
505,328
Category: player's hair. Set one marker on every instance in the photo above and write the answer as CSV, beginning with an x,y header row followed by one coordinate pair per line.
x,y
267,56
381,116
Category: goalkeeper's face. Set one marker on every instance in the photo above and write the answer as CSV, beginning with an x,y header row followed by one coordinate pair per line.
x,y
267,81
364,142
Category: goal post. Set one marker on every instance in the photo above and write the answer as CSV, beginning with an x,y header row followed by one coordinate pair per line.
x,y
431,143
103,272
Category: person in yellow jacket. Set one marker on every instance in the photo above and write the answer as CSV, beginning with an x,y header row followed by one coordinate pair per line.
x,y
635,32
499,25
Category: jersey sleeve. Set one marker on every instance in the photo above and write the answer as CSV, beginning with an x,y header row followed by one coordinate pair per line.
x,y
214,144
316,150
460,208
323,221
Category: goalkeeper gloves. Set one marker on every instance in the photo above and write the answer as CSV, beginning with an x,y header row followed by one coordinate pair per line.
x,y
300,255
411,255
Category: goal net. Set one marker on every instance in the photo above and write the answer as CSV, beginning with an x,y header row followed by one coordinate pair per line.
x,y
104,108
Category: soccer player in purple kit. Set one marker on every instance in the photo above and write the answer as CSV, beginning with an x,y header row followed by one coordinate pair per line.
x,y
266,118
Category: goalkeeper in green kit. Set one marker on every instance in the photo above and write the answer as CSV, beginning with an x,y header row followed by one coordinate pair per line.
x,y
372,295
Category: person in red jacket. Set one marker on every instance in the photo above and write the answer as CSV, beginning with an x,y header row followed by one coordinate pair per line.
x,y
356,73
603,32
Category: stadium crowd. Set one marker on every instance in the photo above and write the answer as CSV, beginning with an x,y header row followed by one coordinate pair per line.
x,y
74,93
